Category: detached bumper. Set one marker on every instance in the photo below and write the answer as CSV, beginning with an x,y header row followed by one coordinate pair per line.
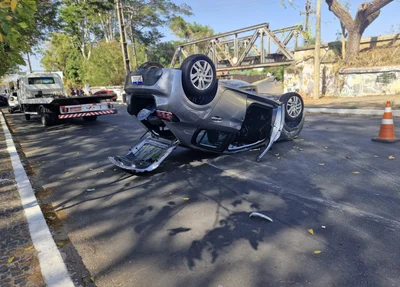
x,y
87,114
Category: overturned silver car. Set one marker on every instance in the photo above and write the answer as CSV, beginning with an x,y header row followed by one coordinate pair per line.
x,y
191,108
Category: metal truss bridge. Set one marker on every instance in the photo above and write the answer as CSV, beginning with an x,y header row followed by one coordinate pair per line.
x,y
252,47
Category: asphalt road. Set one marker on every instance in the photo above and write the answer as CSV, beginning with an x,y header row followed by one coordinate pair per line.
x,y
268,86
138,230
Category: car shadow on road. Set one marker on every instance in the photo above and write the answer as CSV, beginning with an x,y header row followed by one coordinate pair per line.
x,y
189,220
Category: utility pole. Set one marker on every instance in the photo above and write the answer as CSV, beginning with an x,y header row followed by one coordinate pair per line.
x,y
124,44
317,53
308,12
29,62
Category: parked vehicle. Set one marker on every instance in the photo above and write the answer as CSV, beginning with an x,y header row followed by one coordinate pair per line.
x,y
190,108
44,94
107,92
3,100
13,103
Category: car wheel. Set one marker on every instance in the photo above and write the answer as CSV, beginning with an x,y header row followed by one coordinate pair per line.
x,y
294,106
11,111
199,79
90,119
151,65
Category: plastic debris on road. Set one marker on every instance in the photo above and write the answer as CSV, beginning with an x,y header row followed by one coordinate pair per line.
x,y
257,214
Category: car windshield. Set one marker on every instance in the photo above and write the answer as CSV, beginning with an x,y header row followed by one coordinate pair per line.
x,y
41,81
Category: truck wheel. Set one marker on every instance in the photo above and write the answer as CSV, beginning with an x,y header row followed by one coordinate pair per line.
x,y
294,106
10,110
90,119
46,119
199,79
27,117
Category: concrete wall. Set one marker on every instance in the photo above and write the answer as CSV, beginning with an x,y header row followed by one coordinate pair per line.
x,y
300,77
348,82
354,82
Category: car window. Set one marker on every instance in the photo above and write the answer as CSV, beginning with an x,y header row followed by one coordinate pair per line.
x,y
41,81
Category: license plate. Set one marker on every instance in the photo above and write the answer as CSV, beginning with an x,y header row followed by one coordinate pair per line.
x,y
137,80
75,109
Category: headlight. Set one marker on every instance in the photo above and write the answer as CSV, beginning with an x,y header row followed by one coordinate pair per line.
x,y
11,99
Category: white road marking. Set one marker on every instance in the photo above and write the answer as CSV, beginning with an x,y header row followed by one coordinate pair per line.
x,y
51,263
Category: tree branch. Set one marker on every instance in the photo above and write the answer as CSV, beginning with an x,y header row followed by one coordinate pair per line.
x,y
371,18
340,12
375,6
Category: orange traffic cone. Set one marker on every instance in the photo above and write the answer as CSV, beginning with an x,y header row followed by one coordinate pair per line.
x,y
386,133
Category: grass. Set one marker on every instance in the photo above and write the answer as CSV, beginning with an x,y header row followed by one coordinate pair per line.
x,y
380,56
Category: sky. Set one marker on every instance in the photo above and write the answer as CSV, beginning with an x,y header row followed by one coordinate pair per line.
x,y
228,15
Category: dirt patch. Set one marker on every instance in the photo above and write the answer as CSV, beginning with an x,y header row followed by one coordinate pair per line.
x,y
367,102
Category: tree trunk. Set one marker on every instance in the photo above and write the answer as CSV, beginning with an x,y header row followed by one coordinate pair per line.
x,y
353,45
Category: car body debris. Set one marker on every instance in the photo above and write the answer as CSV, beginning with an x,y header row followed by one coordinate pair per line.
x,y
257,214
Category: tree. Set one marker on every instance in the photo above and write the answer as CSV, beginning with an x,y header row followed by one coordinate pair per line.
x,y
106,66
82,22
62,55
162,53
23,24
16,20
144,18
187,32
366,14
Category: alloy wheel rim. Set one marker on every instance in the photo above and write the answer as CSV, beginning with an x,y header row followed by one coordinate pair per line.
x,y
201,75
294,106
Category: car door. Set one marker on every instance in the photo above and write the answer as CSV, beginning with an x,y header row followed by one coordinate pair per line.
x,y
222,124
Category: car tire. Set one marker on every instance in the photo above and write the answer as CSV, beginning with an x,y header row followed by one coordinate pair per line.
x,y
294,107
151,65
199,79
11,111
27,117
90,119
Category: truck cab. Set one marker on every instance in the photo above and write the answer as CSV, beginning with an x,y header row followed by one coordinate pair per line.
x,y
44,94
40,85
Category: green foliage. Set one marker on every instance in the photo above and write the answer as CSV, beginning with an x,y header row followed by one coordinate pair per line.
x,y
23,24
62,55
189,31
146,17
162,53
16,20
277,72
105,66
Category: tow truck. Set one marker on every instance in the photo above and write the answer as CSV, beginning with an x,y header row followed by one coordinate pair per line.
x,y
43,94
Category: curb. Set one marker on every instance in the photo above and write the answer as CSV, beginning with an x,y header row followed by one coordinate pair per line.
x,y
51,263
349,112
